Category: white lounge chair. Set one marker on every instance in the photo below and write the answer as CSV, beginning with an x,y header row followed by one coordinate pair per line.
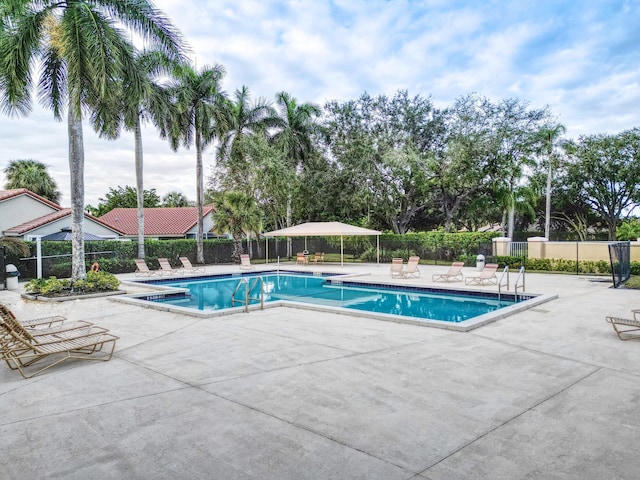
x,y
143,269
452,275
166,268
623,326
411,269
187,267
396,267
487,276
245,262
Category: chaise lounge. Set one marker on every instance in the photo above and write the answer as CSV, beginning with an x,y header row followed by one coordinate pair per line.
x,y
624,326
487,276
187,267
452,275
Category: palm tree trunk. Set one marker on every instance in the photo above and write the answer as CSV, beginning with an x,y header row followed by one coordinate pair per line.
x,y
547,209
199,199
139,187
512,218
76,170
289,215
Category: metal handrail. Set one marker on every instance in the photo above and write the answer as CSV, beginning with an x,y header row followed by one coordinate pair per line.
x,y
248,288
515,287
505,271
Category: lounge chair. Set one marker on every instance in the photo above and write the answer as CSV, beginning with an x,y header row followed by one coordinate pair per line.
x,y
487,276
623,326
23,347
452,275
187,267
411,269
396,267
318,258
245,262
301,259
166,268
143,269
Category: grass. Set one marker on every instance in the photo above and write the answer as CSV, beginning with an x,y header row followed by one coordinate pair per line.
x,y
633,282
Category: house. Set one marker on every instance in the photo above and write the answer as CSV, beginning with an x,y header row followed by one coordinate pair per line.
x,y
25,215
160,223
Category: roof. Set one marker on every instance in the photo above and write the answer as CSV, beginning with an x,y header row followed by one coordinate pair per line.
x,y
51,217
162,221
321,229
16,192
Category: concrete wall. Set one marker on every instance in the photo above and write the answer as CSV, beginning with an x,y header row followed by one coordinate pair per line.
x,y
539,247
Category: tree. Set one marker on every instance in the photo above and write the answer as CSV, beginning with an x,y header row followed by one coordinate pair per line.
x,y
80,52
243,119
550,134
237,214
141,99
32,175
175,199
124,197
295,126
606,172
199,117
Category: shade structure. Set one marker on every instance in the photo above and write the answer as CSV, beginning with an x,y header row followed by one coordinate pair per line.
x,y
65,234
326,229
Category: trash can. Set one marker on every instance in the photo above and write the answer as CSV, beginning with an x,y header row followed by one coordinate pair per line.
x,y
480,262
12,276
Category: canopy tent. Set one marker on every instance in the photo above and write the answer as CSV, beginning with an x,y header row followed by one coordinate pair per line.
x,y
325,229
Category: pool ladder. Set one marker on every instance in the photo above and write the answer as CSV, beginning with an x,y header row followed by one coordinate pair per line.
x,y
249,287
506,272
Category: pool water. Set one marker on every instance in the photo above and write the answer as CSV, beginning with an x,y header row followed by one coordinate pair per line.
x,y
421,303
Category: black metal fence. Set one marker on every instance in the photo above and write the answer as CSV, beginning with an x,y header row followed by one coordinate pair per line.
x,y
620,258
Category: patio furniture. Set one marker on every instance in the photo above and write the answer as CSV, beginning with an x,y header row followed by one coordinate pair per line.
x,y
245,262
318,258
411,269
487,276
623,326
452,275
396,267
301,259
22,347
143,269
187,267
166,268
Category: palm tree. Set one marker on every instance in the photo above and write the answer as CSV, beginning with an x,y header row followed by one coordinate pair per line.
x,y
175,199
142,99
294,137
236,213
549,136
32,175
79,50
199,118
243,118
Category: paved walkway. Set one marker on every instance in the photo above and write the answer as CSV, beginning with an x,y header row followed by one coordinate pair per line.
x,y
549,393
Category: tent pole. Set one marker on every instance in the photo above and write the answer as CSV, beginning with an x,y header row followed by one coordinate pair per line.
x,y
378,242
341,252
266,248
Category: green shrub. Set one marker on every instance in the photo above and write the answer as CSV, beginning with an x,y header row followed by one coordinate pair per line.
x,y
95,282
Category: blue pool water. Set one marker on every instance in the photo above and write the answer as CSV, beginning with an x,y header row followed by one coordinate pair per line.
x,y
420,303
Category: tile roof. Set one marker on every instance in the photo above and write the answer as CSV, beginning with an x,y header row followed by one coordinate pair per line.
x,y
163,221
52,217
7,194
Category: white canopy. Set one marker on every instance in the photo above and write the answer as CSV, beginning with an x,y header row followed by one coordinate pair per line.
x,y
325,229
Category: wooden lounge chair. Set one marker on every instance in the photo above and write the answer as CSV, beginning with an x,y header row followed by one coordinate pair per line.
x,y
301,259
411,269
318,258
396,267
245,262
143,269
487,276
22,348
187,267
454,273
623,326
166,268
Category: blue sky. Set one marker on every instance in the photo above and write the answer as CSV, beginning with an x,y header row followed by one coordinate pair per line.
x,y
580,58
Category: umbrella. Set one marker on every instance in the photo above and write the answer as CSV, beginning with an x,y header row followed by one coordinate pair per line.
x,y
65,234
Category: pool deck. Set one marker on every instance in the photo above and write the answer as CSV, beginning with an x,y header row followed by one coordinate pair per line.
x,y
284,393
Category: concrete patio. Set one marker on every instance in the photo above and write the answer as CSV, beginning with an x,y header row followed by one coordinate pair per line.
x,y
550,393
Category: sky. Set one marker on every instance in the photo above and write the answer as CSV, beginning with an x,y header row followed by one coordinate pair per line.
x,y
581,58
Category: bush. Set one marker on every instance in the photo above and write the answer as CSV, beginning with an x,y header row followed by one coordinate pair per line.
x,y
95,282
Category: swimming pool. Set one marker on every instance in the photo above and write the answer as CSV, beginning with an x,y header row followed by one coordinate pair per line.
x,y
434,306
